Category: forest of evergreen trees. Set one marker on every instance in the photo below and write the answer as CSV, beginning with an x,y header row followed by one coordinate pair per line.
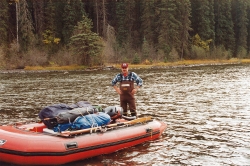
x,y
93,32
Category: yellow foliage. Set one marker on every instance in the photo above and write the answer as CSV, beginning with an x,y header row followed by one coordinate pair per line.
x,y
49,38
147,62
197,41
57,40
46,41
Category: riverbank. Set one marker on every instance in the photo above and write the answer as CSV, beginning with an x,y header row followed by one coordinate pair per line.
x,y
143,65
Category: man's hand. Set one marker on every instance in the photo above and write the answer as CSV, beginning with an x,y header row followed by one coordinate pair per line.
x,y
135,90
118,90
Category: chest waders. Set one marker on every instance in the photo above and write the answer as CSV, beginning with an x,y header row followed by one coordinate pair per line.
x,y
127,98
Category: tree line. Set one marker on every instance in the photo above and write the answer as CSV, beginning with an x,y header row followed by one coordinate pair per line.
x,y
93,32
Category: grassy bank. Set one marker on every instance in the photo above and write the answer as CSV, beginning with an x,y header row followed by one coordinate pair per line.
x,y
187,63
168,64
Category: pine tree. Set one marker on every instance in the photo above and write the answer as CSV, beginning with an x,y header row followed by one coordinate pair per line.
x,y
248,28
50,19
145,49
111,12
100,11
38,14
224,33
69,22
203,19
211,17
52,27
183,15
240,22
4,18
167,25
85,43
58,17
134,23
147,21
121,27
25,26
71,15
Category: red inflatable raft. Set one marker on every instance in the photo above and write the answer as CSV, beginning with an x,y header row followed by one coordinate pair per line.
x,y
34,144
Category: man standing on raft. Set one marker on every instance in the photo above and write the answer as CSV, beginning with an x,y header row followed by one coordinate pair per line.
x,y
127,89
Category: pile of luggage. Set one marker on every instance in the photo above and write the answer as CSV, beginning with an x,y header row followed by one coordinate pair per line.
x,y
82,115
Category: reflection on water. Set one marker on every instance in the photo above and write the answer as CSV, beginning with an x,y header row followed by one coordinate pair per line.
x,y
206,109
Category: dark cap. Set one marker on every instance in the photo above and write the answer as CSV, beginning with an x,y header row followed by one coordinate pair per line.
x,y
124,65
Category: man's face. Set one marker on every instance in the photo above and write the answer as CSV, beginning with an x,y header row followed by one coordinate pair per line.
x,y
125,70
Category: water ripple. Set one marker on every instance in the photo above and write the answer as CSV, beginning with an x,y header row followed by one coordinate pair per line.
x,y
206,109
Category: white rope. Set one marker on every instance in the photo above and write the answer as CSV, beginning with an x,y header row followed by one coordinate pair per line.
x,y
94,125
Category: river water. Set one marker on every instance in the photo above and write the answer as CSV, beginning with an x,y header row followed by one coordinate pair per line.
x,y
206,108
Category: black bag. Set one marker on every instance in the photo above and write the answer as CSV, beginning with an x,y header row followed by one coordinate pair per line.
x,y
49,114
71,115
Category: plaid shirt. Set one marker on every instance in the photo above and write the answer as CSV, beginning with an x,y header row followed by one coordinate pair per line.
x,y
131,77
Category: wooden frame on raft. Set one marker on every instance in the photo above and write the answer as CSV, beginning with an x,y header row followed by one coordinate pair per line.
x,y
90,130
